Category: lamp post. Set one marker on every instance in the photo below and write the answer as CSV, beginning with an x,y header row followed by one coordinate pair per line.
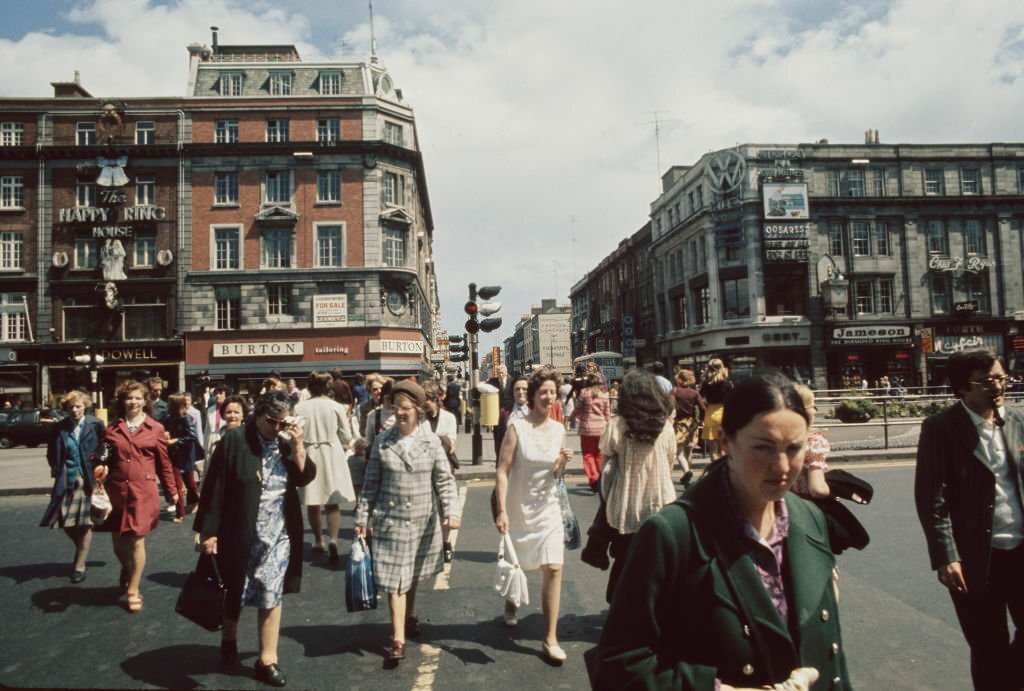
x,y
92,361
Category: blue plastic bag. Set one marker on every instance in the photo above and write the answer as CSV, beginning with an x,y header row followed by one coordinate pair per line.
x,y
360,588
569,522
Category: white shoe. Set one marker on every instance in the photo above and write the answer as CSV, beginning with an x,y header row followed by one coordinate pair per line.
x,y
510,616
555,653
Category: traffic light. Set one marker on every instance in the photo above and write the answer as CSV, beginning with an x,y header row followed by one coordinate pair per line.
x,y
482,309
458,349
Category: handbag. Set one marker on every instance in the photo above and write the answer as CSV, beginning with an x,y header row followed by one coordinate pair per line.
x,y
569,522
510,580
203,596
360,586
100,506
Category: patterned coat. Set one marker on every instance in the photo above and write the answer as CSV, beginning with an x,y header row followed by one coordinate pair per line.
x,y
405,495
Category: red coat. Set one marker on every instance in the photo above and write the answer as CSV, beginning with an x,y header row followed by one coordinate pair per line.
x,y
136,461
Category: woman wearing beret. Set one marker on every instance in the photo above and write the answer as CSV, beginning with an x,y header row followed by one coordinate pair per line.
x,y
408,493
731,587
70,454
250,516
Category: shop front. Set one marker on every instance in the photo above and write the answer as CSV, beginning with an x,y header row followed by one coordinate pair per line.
x,y
242,361
18,380
868,353
115,363
782,347
955,337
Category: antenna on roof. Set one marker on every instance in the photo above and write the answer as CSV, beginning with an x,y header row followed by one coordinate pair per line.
x,y
373,36
659,123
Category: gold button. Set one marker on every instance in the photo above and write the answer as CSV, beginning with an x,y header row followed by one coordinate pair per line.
x,y
746,631
824,615
836,681
748,669
835,649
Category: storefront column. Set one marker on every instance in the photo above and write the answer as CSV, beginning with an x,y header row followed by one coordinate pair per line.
x,y
819,363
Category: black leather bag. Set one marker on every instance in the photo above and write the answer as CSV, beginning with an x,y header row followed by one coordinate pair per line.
x,y
203,596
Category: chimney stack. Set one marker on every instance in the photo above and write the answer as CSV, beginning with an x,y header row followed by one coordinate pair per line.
x,y
78,77
214,30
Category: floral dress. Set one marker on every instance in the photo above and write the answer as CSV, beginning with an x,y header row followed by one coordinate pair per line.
x,y
268,559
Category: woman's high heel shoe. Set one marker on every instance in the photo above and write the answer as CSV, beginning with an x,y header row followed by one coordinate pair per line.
x,y
133,602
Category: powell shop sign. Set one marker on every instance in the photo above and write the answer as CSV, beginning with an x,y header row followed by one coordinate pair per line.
x,y
974,264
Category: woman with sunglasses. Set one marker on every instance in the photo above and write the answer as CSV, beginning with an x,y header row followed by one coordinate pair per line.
x,y
250,516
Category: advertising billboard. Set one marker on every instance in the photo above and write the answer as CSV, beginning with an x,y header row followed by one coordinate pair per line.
x,y
785,201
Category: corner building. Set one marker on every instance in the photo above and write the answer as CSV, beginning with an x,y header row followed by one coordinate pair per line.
x,y
311,243
274,218
837,262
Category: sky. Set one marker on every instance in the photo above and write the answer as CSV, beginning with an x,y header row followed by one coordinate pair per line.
x,y
536,118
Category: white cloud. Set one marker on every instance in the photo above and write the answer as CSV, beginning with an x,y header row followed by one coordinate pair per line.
x,y
532,112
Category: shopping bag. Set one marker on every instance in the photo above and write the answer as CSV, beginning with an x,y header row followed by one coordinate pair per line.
x,y
100,506
360,588
569,522
510,580
203,595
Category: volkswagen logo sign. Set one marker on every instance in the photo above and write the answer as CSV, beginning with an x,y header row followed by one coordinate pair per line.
x,y
725,172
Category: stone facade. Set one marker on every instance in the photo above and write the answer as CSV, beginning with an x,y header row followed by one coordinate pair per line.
x,y
927,240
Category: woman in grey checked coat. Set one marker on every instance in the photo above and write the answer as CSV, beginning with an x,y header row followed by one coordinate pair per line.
x,y
408,491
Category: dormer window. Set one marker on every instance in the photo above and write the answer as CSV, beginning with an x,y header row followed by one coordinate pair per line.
x,y
231,84
280,83
330,83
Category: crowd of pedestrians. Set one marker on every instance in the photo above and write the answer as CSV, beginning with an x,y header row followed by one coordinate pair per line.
x,y
747,552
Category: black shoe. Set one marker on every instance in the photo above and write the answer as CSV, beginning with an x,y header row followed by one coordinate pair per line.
x,y
687,478
449,553
78,576
396,652
270,674
229,653
317,550
333,550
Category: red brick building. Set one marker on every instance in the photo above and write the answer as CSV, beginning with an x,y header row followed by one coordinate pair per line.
x,y
276,218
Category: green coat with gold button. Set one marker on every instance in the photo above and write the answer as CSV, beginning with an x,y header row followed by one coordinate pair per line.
x,y
690,606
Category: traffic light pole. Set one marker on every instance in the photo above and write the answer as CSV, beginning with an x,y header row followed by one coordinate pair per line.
x,y
474,379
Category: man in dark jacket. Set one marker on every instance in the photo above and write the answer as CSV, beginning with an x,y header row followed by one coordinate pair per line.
x,y
971,507
156,389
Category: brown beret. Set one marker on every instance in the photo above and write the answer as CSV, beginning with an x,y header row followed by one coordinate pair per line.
x,y
410,389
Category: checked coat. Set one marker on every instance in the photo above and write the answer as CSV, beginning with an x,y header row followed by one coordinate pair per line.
x,y
406,492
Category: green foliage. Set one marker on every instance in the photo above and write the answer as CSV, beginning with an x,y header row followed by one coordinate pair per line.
x,y
857,410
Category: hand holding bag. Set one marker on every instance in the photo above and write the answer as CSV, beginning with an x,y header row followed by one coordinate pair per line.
x,y
100,506
203,596
569,522
510,581
360,587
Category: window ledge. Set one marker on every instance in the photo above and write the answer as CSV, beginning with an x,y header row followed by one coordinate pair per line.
x,y
319,203
226,271
14,270
12,209
232,205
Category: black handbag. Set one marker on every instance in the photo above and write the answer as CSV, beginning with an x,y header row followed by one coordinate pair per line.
x,y
203,596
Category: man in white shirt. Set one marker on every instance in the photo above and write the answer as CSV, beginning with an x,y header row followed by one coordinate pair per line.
x,y
442,423
968,490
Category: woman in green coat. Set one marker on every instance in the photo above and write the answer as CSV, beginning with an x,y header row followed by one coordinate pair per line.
x,y
733,584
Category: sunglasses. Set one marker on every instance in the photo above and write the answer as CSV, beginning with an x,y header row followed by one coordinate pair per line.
x,y
275,421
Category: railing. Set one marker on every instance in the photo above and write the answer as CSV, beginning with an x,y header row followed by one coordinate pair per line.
x,y
896,423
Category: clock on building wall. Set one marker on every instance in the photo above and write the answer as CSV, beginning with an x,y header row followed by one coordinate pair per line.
x,y
396,302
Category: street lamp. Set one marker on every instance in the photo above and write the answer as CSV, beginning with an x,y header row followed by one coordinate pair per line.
x,y
92,361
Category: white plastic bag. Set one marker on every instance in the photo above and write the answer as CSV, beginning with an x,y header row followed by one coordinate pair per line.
x,y
510,581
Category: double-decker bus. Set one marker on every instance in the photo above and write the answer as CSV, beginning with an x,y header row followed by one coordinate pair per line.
x,y
609,363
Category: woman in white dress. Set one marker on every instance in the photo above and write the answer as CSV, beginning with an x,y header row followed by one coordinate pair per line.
x,y
531,460
328,438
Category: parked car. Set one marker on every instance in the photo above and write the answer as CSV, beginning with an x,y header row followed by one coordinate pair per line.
x,y
28,426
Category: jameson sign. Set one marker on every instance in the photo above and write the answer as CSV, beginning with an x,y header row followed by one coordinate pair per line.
x,y
973,264
872,334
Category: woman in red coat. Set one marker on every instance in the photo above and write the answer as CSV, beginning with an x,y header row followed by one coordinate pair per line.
x,y
136,455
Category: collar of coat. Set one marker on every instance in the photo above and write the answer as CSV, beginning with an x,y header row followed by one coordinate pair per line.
x,y
957,419
808,558
421,442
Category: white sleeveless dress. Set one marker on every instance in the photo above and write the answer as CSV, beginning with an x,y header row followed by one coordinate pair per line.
x,y
534,514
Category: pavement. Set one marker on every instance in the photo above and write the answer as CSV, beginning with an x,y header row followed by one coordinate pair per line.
x,y
24,471
899,627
